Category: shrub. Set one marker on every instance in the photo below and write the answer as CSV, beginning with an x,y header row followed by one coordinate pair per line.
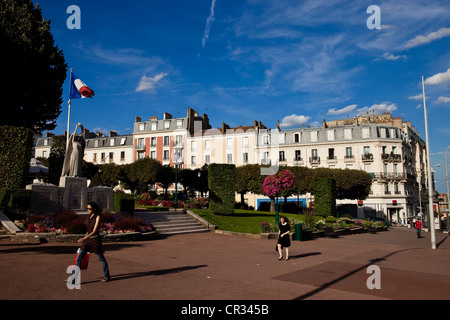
x,y
325,196
15,155
221,183
123,202
63,218
77,226
129,224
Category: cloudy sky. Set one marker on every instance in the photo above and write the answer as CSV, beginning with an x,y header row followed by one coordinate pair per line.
x,y
288,62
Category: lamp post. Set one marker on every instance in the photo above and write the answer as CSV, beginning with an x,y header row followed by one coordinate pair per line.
x,y
430,177
177,160
448,193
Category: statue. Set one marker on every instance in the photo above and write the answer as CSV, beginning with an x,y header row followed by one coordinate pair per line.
x,y
73,160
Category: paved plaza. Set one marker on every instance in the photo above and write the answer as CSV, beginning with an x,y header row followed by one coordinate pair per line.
x,y
209,266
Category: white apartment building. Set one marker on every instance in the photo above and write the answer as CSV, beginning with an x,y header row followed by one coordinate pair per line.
x,y
386,147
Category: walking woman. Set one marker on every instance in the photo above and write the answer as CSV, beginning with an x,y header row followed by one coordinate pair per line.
x,y
92,241
284,240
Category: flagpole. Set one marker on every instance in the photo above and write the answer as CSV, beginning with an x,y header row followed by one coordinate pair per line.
x,y
430,177
68,116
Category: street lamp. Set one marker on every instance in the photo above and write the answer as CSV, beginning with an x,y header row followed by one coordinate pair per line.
x,y
177,160
446,181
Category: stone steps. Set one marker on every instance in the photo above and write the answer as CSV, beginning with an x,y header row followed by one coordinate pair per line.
x,y
170,222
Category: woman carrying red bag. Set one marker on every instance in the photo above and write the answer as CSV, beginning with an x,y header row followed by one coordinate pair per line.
x,y
92,241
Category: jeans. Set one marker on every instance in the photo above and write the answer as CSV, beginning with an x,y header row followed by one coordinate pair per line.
x,y
101,258
419,233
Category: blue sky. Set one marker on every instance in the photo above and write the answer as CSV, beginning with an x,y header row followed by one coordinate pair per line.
x,y
296,62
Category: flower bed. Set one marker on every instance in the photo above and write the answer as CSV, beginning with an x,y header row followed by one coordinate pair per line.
x,y
68,222
196,203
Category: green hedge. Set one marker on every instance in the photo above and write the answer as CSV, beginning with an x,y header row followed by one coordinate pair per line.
x,y
325,196
15,200
221,183
15,155
123,202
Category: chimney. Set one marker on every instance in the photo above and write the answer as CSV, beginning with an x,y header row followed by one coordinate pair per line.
x,y
137,119
112,133
167,116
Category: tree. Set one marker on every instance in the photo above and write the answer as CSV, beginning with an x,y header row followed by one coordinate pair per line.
x,y
165,176
56,159
142,173
248,179
33,68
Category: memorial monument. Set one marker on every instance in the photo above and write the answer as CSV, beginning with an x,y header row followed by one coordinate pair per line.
x,y
73,192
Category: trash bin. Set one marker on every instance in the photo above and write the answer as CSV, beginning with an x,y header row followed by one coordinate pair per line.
x,y
298,235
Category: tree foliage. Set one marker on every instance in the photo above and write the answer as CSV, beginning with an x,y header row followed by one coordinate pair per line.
x,y
33,68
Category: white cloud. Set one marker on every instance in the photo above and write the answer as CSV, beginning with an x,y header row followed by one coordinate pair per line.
x,y
443,99
390,56
344,110
421,40
149,84
439,78
209,22
294,120
378,108
418,97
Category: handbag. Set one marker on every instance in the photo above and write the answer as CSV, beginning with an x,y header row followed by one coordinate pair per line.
x,y
84,262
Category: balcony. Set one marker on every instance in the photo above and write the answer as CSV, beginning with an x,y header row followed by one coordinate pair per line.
x,y
390,157
332,160
348,158
315,160
388,176
367,157
139,147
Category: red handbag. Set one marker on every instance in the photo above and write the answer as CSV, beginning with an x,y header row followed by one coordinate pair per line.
x,y
84,262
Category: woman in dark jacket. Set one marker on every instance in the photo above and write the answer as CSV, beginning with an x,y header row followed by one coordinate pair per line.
x,y
284,241
92,242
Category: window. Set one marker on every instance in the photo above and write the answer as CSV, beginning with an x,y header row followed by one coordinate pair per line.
x,y
266,139
386,188
314,153
123,141
153,141
141,126
229,158
111,142
331,153
330,135
244,142
348,153
366,133
166,140
153,154
95,157
154,125
44,154
122,155
193,159
298,155
166,124
366,150
141,143
347,134
140,155
281,156
178,139
166,155
229,143
103,157
207,144
296,137
245,157
111,157
207,159
179,123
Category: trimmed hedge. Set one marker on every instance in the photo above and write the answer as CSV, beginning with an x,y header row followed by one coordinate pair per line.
x,y
123,202
15,200
15,154
221,183
325,196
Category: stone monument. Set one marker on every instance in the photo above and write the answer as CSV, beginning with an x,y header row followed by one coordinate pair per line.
x,y
73,192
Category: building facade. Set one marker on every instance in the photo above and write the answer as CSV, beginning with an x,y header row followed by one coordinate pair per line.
x,y
386,147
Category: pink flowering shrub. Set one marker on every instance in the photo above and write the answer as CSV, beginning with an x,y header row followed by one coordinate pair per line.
x,y
275,184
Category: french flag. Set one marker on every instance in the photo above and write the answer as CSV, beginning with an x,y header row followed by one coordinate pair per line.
x,y
78,89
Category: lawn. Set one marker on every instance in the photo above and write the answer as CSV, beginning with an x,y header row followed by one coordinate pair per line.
x,y
245,221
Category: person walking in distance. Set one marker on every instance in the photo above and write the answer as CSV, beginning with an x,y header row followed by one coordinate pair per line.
x,y
92,241
418,226
284,240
